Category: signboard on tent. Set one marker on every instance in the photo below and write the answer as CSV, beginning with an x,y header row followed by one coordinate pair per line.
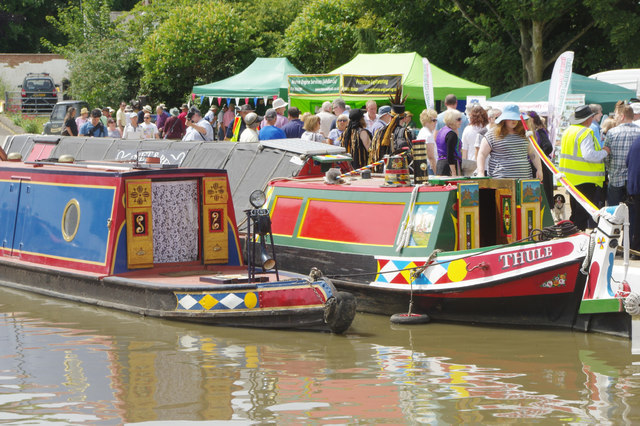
x,y
541,107
371,85
347,84
314,85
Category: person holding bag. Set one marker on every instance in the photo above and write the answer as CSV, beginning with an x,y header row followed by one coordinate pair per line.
x,y
70,128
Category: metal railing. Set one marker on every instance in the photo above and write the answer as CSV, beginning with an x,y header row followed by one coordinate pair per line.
x,y
33,105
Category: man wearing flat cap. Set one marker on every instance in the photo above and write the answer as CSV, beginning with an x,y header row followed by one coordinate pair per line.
x,y
582,162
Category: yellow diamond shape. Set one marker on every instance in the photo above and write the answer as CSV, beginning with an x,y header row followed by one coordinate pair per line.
x,y
406,272
208,302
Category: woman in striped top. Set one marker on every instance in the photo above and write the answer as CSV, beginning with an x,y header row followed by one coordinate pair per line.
x,y
510,150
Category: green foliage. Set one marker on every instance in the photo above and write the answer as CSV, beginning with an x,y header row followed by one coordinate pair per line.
x,y
163,48
619,27
103,74
267,21
29,123
212,44
82,24
323,35
23,23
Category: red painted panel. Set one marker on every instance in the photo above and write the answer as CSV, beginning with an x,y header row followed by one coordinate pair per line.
x,y
40,151
285,215
530,286
592,280
513,260
352,222
291,297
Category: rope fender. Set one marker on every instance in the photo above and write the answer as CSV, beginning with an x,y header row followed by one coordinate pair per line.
x,y
632,304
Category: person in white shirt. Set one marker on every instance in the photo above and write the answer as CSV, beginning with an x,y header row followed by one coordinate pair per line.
x,y
250,134
198,129
326,118
149,129
428,119
133,130
370,116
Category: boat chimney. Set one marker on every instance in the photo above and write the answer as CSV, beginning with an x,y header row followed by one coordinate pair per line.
x,y
14,156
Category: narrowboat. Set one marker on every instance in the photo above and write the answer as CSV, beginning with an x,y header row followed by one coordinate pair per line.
x,y
471,249
153,239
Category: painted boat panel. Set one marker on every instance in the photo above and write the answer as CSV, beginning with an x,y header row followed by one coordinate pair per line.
x,y
359,220
9,196
351,222
42,235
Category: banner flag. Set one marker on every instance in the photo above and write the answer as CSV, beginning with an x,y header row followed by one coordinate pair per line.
x,y
558,89
427,84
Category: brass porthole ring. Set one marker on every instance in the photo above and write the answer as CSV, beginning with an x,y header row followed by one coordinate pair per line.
x,y
70,220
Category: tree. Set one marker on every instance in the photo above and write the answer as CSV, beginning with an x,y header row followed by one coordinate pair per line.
x,y
528,27
324,35
602,35
102,66
23,23
103,73
212,43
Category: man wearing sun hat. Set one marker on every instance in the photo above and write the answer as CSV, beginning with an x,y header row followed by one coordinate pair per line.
x,y
582,162
279,105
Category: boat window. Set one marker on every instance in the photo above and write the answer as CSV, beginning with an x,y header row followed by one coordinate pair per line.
x,y
70,220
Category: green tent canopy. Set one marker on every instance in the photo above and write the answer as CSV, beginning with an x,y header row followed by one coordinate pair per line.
x,y
595,92
264,77
411,68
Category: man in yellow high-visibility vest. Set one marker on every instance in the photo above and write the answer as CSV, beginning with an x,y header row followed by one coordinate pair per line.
x,y
582,162
238,125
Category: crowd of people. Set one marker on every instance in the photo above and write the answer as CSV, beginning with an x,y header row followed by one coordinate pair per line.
x,y
596,152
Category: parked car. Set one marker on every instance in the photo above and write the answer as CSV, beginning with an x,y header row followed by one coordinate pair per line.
x,y
38,93
56,120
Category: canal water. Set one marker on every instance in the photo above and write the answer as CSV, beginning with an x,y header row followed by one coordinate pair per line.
x,y
69,363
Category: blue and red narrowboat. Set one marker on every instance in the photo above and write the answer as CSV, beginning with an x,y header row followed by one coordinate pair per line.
x,y
158,241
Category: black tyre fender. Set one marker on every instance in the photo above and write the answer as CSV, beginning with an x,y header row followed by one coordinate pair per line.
x,y
410,318
340,311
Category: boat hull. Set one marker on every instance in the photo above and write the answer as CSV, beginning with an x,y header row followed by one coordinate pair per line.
x,y
546,294
295,304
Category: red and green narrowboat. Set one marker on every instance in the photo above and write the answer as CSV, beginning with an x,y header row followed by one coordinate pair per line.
x,y
477,250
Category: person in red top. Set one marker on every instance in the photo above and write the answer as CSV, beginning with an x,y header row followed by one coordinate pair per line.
x,y
183,115
174,127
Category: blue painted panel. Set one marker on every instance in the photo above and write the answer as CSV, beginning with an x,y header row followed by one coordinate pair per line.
x,y
39,225
9,194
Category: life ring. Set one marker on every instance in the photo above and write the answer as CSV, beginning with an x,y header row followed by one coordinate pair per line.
x,y
340,311
632,304
409,318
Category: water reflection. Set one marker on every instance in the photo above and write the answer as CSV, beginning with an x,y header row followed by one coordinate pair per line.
x,y
73,363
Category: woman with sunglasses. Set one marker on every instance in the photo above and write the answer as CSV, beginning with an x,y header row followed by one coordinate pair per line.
x,y
448,144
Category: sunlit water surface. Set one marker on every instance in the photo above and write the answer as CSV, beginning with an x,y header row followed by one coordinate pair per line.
x,y
75,364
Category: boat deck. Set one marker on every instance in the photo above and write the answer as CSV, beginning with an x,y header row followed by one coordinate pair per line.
x,y
202,275
375,183
193,275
